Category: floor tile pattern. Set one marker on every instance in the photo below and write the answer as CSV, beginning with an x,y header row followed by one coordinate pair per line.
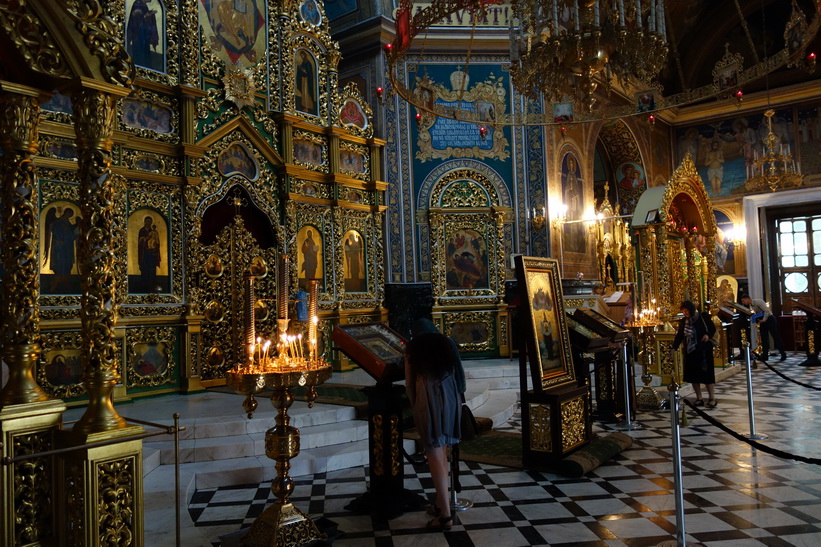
x,y
734,495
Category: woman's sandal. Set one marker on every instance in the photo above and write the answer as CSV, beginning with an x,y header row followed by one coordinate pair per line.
x,y
699,402
712,403
441,523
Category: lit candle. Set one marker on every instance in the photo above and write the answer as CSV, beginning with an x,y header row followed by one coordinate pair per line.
x,y
299,346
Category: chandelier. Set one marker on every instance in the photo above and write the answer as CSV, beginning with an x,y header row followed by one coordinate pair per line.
x,y
560,46
775,167
563,50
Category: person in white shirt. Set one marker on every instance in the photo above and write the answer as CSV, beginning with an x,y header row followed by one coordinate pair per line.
x,y
769,326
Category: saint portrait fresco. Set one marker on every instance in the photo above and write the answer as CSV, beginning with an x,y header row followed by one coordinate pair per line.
x,y
145,33
60,228
233,29
354,262
148,253
309,11
305,85
575,235
466,261
309,241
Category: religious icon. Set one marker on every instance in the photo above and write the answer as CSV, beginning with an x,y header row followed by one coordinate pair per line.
x,y
148,253
546,336
145,33
466,261
354,262
236,159
351,113
146,115
63,367
150,359
213,266
258,268
563,112
309,11
631,176
232,28
305,88
310,255
646,101
60,221
575,234
214,312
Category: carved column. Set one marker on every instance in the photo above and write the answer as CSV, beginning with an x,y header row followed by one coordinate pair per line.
x,y
19,112
693,289
28,417
94,125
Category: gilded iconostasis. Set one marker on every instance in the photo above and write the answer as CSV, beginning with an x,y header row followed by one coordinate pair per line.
x,y
250,145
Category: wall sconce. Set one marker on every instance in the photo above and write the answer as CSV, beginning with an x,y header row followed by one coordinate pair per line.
x,y
537,218
737,235
483,132
559,215
380,95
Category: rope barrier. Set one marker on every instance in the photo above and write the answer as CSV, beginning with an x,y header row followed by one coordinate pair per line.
x,y
755,444
769,366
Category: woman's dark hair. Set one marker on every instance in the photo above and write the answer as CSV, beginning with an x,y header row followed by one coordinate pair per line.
x,y
431,354
689,306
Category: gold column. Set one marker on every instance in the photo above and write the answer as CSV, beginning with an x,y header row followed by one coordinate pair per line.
x,y
28,417
692,279
94,125
101,486
19,112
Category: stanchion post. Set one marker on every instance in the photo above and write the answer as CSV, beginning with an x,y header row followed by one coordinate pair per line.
x,y
677,477
456,504
750,409
628,411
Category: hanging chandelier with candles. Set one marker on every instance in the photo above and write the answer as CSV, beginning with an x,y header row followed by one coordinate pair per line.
x,y
561,46
774,168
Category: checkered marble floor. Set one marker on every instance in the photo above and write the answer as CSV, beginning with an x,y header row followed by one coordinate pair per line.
x,y
734,495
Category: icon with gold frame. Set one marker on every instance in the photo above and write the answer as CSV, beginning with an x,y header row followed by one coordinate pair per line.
x,y
546,338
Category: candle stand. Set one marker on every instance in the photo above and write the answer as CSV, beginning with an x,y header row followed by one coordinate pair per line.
x,y
281,524
643,334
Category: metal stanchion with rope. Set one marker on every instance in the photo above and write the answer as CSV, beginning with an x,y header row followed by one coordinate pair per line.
x,y
677,475
628,424
456,504
750,409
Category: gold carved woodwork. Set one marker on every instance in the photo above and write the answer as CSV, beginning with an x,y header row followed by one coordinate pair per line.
x,y
33,40
540,439
60,343
485,318
161,101
574,418
34,498
94,124
220,295
19,112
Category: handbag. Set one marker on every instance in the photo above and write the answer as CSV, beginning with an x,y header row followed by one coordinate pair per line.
x,y
468,425
714,340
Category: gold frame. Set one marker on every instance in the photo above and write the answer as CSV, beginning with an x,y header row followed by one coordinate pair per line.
x,y
534,275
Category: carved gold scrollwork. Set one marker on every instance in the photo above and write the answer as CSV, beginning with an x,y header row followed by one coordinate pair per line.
x,y
117,501
33,494
60,343
20,252
378,456
573,423
101,36
32,39
94,124
485,319
540,440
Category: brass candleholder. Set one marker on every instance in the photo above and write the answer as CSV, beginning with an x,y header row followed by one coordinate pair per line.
x,y
643,333
281,524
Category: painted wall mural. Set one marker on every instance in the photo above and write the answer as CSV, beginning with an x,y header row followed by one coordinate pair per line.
x,y
724,151
145,33
234,30
60,228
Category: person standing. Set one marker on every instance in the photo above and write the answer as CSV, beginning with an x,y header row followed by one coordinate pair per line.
x,y
769,326
695,331
433,380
